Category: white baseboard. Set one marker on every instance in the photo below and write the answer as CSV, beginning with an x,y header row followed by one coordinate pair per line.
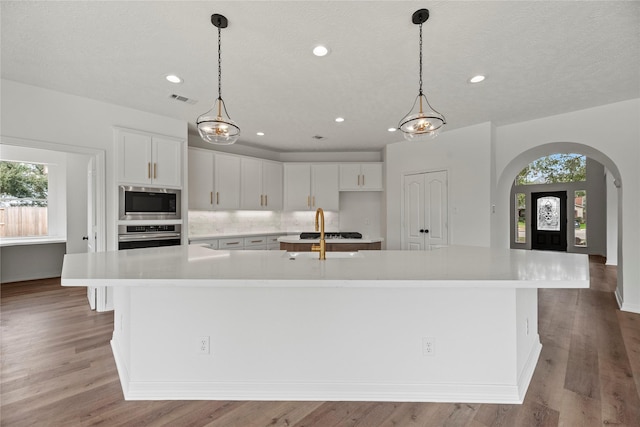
x,y
370,392
123,372
524,379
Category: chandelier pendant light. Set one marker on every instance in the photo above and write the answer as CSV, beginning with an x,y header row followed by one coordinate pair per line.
x,y
215,126
423,121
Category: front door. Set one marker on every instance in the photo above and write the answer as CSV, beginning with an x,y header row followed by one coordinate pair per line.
x,y
549,224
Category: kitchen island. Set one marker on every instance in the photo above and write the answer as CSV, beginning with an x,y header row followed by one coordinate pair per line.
x,y
457,324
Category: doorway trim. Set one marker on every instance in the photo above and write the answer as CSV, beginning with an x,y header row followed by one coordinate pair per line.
x,y
99,157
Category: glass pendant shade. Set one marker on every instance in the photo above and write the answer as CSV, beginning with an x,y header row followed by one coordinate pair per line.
x,y
420,122
216,127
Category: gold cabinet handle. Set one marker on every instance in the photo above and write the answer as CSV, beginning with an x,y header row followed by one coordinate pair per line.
x,y
155,171
261,200
217,197
211,197
313,201
309,201
256,241
149,170
363,180
265,200
232,243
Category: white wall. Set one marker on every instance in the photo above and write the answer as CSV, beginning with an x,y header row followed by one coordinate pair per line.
x,y
466,155
616,146
30,262
68,120
361,211
612,221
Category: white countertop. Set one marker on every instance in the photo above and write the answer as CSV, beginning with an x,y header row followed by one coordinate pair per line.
x,y
296,239
453,266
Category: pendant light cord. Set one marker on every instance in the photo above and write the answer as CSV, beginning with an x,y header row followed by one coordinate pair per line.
x,y
420,59
219,66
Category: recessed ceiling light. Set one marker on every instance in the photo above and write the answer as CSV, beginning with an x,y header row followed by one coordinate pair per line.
x,y
173,78
339,119
476,79
260,133
320,50
392,129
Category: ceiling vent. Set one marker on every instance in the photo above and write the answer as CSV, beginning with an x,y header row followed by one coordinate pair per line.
x,y
317,137
182,99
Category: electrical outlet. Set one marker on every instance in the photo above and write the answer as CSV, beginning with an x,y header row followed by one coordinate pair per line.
x,y
428,346
203,345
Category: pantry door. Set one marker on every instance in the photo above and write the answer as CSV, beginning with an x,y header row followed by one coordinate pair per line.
x,y
425,216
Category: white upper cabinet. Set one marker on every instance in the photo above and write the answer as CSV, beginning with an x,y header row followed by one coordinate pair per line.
x,y
261,184
227,182
146,159
200,169
272,174
311,186
361,177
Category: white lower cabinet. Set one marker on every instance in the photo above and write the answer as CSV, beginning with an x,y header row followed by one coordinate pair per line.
x,y
231,244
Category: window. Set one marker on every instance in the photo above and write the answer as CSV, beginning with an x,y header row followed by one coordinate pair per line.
x,y
520,219
580,215
24,189
554,169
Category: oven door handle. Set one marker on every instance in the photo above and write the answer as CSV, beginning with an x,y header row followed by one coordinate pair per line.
x,y
143,237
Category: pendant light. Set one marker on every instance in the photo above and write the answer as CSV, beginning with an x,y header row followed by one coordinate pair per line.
x,y
422,121
215,126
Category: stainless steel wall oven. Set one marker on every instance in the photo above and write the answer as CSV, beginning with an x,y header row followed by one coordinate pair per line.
x,y
148,236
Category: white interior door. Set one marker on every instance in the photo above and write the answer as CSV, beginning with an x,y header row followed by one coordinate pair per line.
x,y
414,204
436,229
425,217
92,227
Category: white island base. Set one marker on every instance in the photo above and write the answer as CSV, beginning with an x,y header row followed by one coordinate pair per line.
x,y
327,344
452,325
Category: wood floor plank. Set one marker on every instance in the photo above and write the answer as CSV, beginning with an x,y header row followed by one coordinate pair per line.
x,y
57,369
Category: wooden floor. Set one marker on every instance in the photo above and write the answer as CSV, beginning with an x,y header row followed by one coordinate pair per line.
x,y
58,370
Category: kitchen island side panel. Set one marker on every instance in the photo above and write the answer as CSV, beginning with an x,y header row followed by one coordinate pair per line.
x,y
326,343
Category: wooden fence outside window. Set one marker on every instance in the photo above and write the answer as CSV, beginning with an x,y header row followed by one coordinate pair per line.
x,y
23,221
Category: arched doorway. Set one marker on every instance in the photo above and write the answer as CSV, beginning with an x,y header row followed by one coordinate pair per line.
x,y
501,224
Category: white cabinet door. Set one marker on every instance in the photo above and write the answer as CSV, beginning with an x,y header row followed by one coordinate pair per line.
x,y
252,195
272,185
371,179
227,182
325,190
134,158
361,177
166,159
200,170
297,186
350,177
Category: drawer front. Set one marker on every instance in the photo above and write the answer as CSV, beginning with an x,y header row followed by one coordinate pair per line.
x,y
255,241
237,243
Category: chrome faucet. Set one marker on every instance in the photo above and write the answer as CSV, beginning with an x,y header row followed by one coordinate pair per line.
x,y
320,225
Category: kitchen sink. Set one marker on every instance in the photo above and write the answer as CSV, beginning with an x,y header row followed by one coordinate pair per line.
x,y
329,255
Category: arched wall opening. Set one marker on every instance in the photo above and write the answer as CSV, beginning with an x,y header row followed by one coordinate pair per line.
x,y
501,221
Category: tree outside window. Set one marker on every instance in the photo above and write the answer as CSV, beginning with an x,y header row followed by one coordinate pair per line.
x,y
23,199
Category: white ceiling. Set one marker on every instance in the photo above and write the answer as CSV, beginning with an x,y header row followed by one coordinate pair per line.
x,y
540,58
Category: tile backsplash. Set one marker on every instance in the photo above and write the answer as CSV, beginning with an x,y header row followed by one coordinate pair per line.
x,y
205,223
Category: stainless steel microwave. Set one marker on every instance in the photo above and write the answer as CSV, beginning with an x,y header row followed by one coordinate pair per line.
x,y
149,203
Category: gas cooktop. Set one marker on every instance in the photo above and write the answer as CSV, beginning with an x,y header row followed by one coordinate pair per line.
x,y
332,235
